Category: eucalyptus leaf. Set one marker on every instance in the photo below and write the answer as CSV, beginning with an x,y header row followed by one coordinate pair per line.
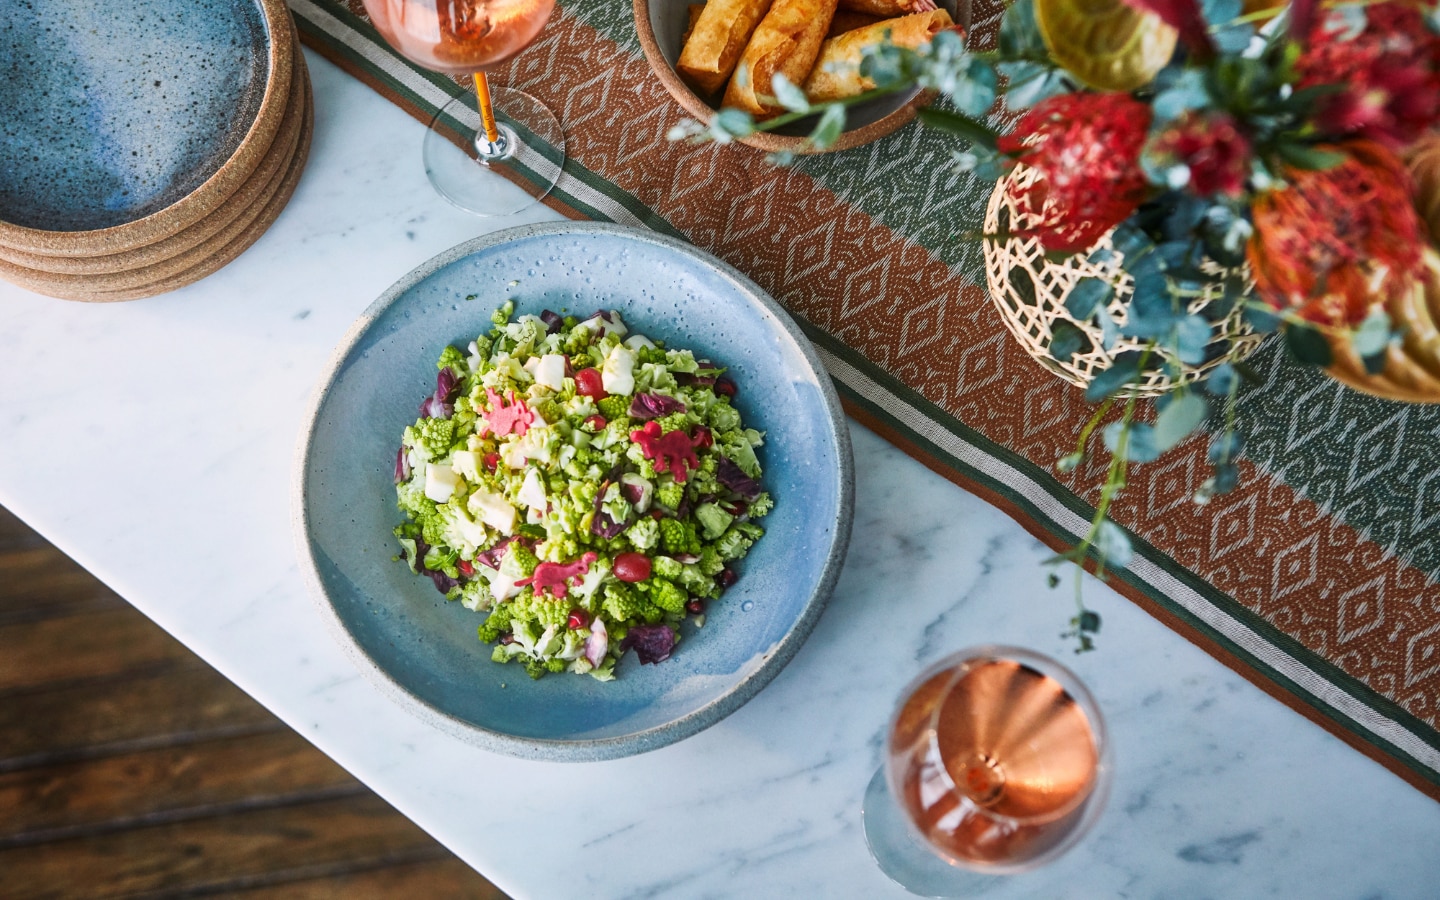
x,y
1219,12
1020,33
1140,445
1114,545
1124,370
1307,344
1225,447
1262,320
975,93
1066,340
829,128
1305,156
734,122
1088,295
1192,337
788,94
972,130
1177,420
1089,620
1226,477
1372,335
1221,380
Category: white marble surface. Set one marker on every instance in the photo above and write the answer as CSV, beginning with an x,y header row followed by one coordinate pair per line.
x,y
153,442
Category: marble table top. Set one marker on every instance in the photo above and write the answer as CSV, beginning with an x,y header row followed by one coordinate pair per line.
x,y
153,441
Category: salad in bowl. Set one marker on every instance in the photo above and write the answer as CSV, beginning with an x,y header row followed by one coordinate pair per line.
x,y
586,488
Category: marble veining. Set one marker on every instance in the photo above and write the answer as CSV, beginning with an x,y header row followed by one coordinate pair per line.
x,y
169,432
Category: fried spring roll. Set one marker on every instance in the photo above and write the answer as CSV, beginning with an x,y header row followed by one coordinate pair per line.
x,y
787,41
694,9
716,41
888,9
837,70
846,20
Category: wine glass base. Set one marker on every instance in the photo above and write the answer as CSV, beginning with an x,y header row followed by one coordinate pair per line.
x,y
904,857
495,179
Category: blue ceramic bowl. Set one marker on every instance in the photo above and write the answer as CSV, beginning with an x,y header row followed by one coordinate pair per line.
x,y
424,650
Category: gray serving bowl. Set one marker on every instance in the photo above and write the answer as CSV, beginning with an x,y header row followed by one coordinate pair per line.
x,y
421,649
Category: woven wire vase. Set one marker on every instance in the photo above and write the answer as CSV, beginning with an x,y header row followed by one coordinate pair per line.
x,y
1030,292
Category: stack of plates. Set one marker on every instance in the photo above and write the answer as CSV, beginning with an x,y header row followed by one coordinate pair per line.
x,y
144,143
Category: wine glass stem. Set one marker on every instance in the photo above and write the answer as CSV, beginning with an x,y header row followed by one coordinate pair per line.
x,y
487,109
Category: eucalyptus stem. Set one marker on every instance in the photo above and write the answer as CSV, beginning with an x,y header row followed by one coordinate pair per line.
x,y
786,118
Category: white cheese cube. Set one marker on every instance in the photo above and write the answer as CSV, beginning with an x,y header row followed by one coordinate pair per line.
x,y
493,509
618,374
440,482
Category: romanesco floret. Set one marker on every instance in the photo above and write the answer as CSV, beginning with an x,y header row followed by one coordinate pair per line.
x,y
475,595
676,421
497,624
558,547
667,596
614,407
519,558
433,527
623,602
665,567
644,534
433,436
543,610
670,495
555,666
678,537
502,314
452,358
411,499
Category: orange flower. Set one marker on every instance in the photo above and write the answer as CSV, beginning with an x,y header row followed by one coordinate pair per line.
x,y
1330,241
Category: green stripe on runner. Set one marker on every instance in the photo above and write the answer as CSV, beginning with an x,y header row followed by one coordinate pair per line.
x,y
1259,626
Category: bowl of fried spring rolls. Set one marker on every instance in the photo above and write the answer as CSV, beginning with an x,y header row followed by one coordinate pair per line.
x,y
725,53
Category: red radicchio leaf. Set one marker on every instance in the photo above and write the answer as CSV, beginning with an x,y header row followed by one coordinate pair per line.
x,y
552,320
734,478
598,643
653,406
438,405
492,556
402,466
1184,16
631,492
689,379
652,643
443,582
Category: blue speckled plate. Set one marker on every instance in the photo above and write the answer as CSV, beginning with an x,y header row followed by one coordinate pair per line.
x,y
423,650
112,111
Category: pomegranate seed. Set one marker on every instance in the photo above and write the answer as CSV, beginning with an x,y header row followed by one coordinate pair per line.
x,y
577,619
727,578
632,567
491,461
588,383
694,607
703,438
507,638
656,514
465,567
724,387
596,422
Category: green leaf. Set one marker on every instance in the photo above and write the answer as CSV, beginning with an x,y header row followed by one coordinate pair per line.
x,y
828,129
1088,295
1304,156
1372,335
1089,620
1066,340
1140,445
975,93
1221,380
1114,545
1125,370
1192,335
788,95
1225,447
1176,421
1307,344
1019,32
972,130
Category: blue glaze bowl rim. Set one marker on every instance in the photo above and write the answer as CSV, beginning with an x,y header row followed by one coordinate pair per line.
x,y
280,48
586,749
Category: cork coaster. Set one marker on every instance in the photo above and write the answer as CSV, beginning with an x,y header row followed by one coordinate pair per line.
x,y
246,201
212,193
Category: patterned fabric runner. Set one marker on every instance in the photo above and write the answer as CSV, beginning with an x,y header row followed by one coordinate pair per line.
x,y
1318,578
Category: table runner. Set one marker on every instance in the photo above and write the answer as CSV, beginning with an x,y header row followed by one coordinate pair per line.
x,y
1318,578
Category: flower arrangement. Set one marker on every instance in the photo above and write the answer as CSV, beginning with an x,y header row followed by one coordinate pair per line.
x,y
1263,150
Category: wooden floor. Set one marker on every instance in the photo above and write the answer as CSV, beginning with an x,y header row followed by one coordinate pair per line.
x,y
129,768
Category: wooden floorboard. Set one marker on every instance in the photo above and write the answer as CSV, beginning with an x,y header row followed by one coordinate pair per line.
x,y
129,768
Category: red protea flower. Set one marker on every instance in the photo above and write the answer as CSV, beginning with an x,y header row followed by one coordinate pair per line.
x,y
1389,74
1211,147
1332,240
1086,147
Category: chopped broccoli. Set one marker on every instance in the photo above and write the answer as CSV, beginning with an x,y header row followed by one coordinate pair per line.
x,y
723,417
678,537
761,505
452,358
714,520
644,534
711,563
694,580
734,543
556,665
502,313
667,596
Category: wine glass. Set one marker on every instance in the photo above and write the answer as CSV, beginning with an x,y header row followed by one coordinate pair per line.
x,y
523,145
996,762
